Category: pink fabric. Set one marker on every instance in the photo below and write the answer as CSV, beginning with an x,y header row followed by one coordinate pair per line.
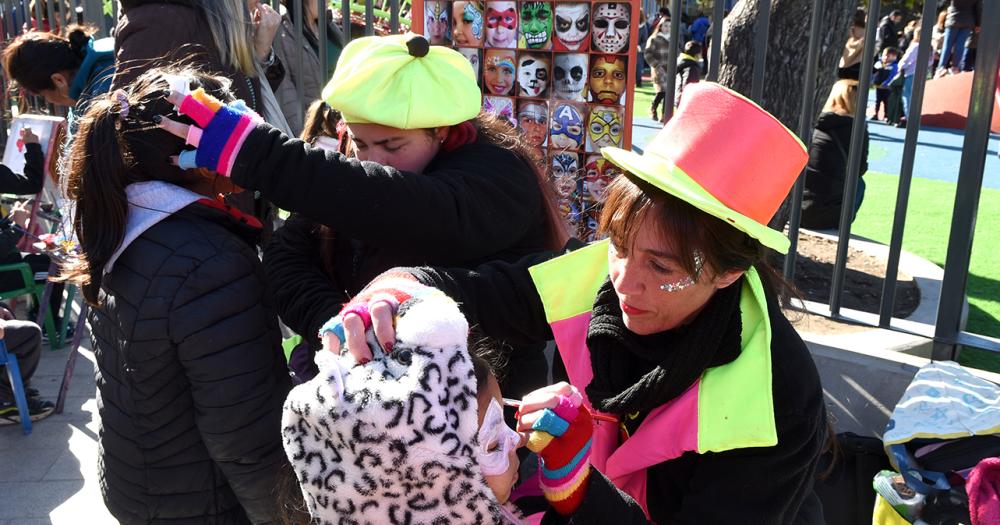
x,y
198,112
360,310
566,409
233,145
193,136
983,487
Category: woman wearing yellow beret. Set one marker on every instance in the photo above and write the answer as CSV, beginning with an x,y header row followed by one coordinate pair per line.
x,y
434,181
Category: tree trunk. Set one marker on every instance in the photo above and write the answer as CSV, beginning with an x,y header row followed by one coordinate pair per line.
x,y
787,52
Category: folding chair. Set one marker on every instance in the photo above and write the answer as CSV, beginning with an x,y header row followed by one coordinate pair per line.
x,y
14,375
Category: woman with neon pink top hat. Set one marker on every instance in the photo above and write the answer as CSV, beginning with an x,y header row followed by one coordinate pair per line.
x,y
672,327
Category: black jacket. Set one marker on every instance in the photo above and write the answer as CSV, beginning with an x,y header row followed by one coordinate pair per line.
x,y
190,376
887,36
827,170
34,173
767,485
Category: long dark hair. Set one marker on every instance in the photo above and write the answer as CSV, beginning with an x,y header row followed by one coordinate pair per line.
x,y
32,58
111,151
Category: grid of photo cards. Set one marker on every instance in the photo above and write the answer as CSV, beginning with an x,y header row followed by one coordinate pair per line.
x,y
562,72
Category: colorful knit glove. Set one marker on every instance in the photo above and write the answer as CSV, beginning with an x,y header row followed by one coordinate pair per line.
x,y
219,133
562,439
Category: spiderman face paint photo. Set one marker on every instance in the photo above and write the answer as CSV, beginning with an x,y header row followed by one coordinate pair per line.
x,y
533,75
611,27
467,23
565,168
498,72
536,25
605,127
502,107
566,126
533,120
569,77
501,24
436,22
607,79
475,60
572,25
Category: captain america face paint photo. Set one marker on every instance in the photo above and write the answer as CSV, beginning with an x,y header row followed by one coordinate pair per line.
x,y
498,72
611,27
572,25
608,76
436,22
604,127
533,75
501,24
536,25
467,23
566,126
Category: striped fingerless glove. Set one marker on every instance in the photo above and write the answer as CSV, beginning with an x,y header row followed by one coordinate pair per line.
x,y
562,438
219,133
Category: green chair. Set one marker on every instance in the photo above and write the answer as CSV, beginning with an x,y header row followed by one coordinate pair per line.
x,y
35,290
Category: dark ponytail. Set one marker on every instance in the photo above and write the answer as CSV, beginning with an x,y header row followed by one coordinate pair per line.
x,y
32,58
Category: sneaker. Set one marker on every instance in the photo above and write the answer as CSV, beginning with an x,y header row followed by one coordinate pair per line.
x,y
37,409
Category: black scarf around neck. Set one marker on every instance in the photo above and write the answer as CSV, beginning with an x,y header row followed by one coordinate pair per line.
x,y
634,373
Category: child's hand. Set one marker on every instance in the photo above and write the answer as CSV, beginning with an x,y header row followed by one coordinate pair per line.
x,y
561,429
28,136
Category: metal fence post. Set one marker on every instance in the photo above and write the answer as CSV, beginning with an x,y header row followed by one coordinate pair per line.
x,y
970,182
715,54
345,13
675,42
324,18
760,37
297,14
854,158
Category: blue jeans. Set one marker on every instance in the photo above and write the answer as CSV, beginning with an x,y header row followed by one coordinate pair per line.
x,y
859,197
954,40
907,92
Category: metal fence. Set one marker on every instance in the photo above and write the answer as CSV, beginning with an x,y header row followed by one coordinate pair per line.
x,y
373,16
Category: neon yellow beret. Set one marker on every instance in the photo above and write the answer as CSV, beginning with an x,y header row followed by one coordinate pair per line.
x,y
403,82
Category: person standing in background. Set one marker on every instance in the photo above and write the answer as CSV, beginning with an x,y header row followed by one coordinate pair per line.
x,y
962,18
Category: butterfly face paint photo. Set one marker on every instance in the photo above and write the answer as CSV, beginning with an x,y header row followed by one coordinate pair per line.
x,y
572,26
502,107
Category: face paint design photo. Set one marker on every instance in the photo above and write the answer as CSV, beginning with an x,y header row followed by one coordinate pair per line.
x,y
608,76
566,126
604,127
533,121
501,24
467,23
475,60
611,27
536,25
496,441
502,107
436,22
498,72
572,26
565,174
569,77
533,75
598,174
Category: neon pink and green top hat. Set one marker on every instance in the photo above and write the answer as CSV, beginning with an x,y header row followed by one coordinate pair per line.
x,y
724,155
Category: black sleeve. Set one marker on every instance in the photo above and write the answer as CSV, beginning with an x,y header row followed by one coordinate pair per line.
x,y
304,295
228,345
864,154
34,173
480,198
602,504
499,297
275,73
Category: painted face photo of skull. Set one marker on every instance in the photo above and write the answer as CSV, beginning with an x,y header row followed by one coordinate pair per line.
x,y
572,25
501,24
533,75
608,76
565,174
536,25
611,27
472,54
605,127
498,72
533,121
569,77
502,107
436,22
566,126
467,23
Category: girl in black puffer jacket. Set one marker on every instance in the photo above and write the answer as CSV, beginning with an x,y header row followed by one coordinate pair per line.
x,y
190,374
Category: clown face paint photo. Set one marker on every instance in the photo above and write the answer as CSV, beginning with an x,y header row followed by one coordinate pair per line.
x,y
502,107
501,24
436,22
498,72
611,27
566,126
604,127
569,77
536,25
475,60
572,25
608,75
467,23
533,121
533,75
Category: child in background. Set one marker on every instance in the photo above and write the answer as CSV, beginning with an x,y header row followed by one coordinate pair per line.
x,y
688,68
885,70
324,129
